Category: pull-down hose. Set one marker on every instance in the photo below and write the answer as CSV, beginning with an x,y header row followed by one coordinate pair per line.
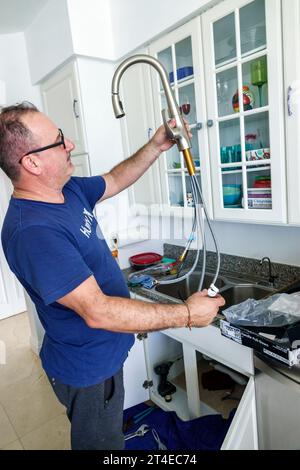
x,y
180,135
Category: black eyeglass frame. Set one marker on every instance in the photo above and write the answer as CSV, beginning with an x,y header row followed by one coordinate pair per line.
x,y
47,147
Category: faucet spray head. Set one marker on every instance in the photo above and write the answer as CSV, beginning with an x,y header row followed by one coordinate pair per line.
x,y
117,105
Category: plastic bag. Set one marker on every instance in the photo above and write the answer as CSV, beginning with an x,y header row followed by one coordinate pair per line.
x,y
277,310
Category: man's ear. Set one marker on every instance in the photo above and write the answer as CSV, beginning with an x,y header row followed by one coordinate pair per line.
x,y
31,164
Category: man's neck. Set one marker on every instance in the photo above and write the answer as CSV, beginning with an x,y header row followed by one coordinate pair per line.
x,y
51,195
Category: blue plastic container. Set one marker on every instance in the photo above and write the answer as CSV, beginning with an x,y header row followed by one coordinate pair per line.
x,y
183,72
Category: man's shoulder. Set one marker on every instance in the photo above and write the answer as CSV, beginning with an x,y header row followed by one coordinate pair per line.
x,y
23,216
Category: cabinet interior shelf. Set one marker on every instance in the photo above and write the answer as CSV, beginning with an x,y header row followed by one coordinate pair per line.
x,y
250,112
181,81
249,169
178,171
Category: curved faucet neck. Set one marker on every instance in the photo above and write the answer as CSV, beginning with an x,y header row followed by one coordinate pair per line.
x,y
177,133
146,59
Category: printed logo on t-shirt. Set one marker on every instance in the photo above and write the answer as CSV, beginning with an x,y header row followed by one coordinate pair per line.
x,y
86,228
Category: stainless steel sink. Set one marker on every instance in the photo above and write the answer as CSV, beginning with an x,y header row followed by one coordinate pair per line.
x,y
183,289
233,290
237,294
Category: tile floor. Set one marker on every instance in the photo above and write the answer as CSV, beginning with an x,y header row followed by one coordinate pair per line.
x,y
30,415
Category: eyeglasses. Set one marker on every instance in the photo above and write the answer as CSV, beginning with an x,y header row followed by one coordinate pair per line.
x,y
47,147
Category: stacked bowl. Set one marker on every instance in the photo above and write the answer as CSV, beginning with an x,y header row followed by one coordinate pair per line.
x,y
232,194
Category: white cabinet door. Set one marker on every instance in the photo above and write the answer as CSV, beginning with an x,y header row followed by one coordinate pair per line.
x,y
62,103
242,434
181,54
243,64
138,127
135,375
291,43
81,164
12,299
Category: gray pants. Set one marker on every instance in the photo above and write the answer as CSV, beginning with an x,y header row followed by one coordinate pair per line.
x,y
95,413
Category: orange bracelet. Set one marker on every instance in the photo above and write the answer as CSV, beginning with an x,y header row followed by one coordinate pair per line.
x,y
189,322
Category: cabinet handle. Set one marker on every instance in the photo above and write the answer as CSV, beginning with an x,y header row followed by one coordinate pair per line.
x,y
149,132
210,123
76,114
289,95
199,126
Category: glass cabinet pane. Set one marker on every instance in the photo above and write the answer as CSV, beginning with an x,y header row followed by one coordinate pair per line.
x,y
224,40
187,103
232,189
230,141
255,77
257,137
173,158
189,195
253,27
226,86
184,59
175,190
165,57
259,188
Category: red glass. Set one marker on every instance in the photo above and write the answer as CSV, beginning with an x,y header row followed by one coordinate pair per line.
x,y
186,107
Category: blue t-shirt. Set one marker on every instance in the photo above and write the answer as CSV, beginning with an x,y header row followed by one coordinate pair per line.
x,y
52,248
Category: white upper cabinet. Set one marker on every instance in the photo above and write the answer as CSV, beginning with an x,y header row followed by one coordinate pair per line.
x,y
291,42
242,44
138,127
181,54
61,99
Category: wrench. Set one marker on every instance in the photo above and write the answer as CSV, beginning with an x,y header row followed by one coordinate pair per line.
x,y
140,432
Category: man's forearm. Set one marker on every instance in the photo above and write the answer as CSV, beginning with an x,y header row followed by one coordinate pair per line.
x,y
131,169
133,316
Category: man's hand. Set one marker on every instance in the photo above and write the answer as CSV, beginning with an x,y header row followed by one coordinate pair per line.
x,y
203,309
161,141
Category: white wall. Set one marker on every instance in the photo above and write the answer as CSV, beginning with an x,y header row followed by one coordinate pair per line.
x,y
136,22
49,39
91,27
280,243
106,29
14,70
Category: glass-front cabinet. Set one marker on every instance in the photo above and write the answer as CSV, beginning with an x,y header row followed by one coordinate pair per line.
x,y
243,72
181,54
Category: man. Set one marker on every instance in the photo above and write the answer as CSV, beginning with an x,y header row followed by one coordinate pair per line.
x,y
50,241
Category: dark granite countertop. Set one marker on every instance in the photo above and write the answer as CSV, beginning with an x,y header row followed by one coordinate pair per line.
x,y
243,269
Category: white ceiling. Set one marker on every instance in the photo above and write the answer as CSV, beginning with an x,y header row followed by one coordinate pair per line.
x,y
17,15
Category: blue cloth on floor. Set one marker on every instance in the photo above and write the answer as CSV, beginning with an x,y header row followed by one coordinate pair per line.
x,y
205,433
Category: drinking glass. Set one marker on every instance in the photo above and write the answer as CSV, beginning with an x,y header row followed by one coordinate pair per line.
x,y
259,75
186,106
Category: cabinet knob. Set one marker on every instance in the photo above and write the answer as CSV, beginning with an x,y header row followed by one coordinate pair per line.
x,y
76,114
210,123
199,126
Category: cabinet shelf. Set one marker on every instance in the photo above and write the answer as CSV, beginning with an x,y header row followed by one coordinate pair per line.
x,y
250,112
250,169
